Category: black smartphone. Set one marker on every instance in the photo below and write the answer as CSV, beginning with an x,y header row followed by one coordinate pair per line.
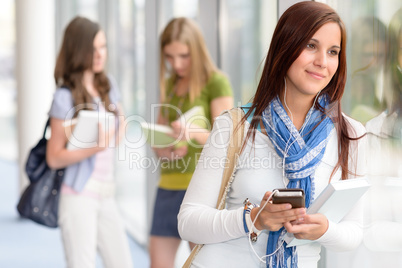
x,y
295,197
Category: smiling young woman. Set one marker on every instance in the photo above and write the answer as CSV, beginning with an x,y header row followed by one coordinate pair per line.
x,y
295,119
312,71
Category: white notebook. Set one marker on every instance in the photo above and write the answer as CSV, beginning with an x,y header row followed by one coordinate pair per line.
x,y
335,201
85,131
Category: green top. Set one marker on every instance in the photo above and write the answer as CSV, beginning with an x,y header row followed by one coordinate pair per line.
x,y
176,174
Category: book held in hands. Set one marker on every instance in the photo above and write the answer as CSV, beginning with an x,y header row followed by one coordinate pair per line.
x,y
85,128
335,201
160,136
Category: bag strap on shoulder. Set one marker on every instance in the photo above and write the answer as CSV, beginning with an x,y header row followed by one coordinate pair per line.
x,y
46,126
235,144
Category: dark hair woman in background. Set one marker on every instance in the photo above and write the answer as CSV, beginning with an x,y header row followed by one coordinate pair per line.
x,y
89,219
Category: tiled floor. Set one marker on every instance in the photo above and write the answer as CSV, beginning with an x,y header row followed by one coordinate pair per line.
x,y
26,244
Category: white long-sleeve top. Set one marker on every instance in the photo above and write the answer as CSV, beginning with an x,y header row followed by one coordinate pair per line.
x,y
259,170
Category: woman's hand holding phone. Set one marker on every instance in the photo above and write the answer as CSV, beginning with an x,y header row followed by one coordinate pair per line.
x,y
295,197
309,227
273,216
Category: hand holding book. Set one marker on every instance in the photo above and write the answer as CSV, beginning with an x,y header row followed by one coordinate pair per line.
x,y
186,132
334,202
180,133
180,148
310,227
90,129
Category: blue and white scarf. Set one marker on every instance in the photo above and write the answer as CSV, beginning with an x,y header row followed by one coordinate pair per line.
x,y
303,152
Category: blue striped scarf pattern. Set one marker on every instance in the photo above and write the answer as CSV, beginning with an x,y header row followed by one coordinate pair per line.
x,y
303,152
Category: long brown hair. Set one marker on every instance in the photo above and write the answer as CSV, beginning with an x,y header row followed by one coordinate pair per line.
x,y
75,57
187,32
293,31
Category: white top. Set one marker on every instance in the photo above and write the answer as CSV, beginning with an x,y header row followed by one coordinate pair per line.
x,y
260,170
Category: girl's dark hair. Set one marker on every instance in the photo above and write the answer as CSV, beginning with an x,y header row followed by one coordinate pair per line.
x,y
75,56
294,30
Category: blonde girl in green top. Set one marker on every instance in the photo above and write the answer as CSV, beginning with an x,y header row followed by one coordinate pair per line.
x,y
188,78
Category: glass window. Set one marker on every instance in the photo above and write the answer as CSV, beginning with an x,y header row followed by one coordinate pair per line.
x,y
88,8
176,8
246,30
186,8
373,96
129,43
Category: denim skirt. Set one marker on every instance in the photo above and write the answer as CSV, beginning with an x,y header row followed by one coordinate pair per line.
x,y
167,206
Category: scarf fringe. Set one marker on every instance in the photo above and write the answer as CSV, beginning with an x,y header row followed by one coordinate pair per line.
x,y
282,254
